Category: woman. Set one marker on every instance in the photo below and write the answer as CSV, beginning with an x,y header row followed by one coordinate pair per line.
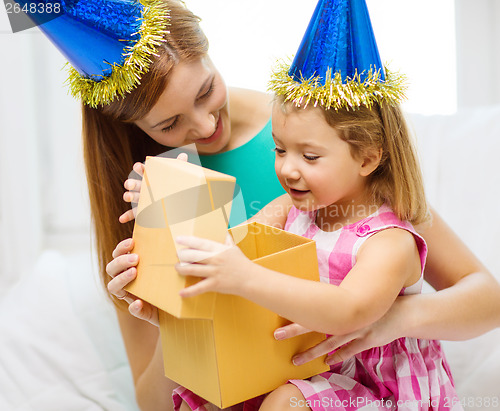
x,y
182,99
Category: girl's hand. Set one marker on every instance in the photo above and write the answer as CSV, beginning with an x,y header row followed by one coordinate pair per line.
x,y
381,332
221,265
133,187
123,270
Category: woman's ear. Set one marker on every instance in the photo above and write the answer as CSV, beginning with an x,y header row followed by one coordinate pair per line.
x,y
371,160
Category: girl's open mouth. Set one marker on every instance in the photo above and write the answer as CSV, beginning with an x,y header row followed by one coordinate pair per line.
x,y
298,193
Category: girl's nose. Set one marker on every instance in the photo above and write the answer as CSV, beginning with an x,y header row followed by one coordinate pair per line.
x,y
205,125
289,171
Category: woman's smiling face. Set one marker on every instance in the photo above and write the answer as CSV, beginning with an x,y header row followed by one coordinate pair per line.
x,y
193,109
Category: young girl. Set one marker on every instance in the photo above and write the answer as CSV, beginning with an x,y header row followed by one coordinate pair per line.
x,y
356,189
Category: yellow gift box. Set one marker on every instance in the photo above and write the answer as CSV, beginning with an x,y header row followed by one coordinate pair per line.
x,y
219,346
177,198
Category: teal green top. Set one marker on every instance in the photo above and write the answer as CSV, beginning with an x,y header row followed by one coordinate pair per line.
x,y
253,166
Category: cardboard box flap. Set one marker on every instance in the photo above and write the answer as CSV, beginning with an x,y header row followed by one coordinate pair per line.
x,y
177,198
180,183
256,240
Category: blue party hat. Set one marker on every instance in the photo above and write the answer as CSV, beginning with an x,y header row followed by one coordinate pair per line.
x,y
338,64
109,43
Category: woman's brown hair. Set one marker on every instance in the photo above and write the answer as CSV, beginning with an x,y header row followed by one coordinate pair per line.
x,y
112,143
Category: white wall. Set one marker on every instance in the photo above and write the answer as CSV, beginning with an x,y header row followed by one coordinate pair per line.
x,y
478,52
43,200
416,38
20,207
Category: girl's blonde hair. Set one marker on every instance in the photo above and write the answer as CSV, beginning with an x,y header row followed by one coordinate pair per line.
x,y
397,180
112,143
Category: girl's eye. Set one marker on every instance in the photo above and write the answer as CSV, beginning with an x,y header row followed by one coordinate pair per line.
x,y
209,91
279,150
170,127
310,158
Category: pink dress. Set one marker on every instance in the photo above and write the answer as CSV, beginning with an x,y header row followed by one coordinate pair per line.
x,y
406,374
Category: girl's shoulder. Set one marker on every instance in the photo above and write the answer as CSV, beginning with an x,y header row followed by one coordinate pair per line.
x,y
380,219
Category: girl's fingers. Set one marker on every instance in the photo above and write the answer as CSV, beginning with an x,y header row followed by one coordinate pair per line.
x,y
289,331
196,270
197,289
121,263
229,240
189,255
197,243
123,247
202,244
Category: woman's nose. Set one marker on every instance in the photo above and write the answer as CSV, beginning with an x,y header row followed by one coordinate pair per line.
x,y
205,125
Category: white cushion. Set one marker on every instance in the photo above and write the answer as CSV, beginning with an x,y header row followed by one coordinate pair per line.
x,y
60,346
459,157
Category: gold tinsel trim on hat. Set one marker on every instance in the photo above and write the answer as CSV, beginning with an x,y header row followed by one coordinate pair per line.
x,y
124,78
351,93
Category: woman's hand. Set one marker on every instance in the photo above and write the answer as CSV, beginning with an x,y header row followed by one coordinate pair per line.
x,y
123,270
221,265
381,332
133,187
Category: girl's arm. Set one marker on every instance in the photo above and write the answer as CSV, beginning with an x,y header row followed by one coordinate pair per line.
x,y
386,262
274,213
466,305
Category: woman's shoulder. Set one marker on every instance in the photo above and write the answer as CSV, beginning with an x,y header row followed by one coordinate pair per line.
x,y
250,111
249,106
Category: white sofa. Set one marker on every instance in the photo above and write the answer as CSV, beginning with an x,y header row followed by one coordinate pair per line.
x,y
60,347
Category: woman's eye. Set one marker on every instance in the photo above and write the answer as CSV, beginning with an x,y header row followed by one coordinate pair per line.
x,y
310,158
208,92
279,150
170,127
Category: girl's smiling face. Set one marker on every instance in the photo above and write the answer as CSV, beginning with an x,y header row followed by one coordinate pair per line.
x,y
313,164
193,108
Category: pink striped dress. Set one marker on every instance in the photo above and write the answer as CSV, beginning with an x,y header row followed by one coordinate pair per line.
x,y
406,374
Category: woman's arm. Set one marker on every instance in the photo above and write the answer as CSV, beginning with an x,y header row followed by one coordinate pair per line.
x,y
140,334
466,305
152,389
